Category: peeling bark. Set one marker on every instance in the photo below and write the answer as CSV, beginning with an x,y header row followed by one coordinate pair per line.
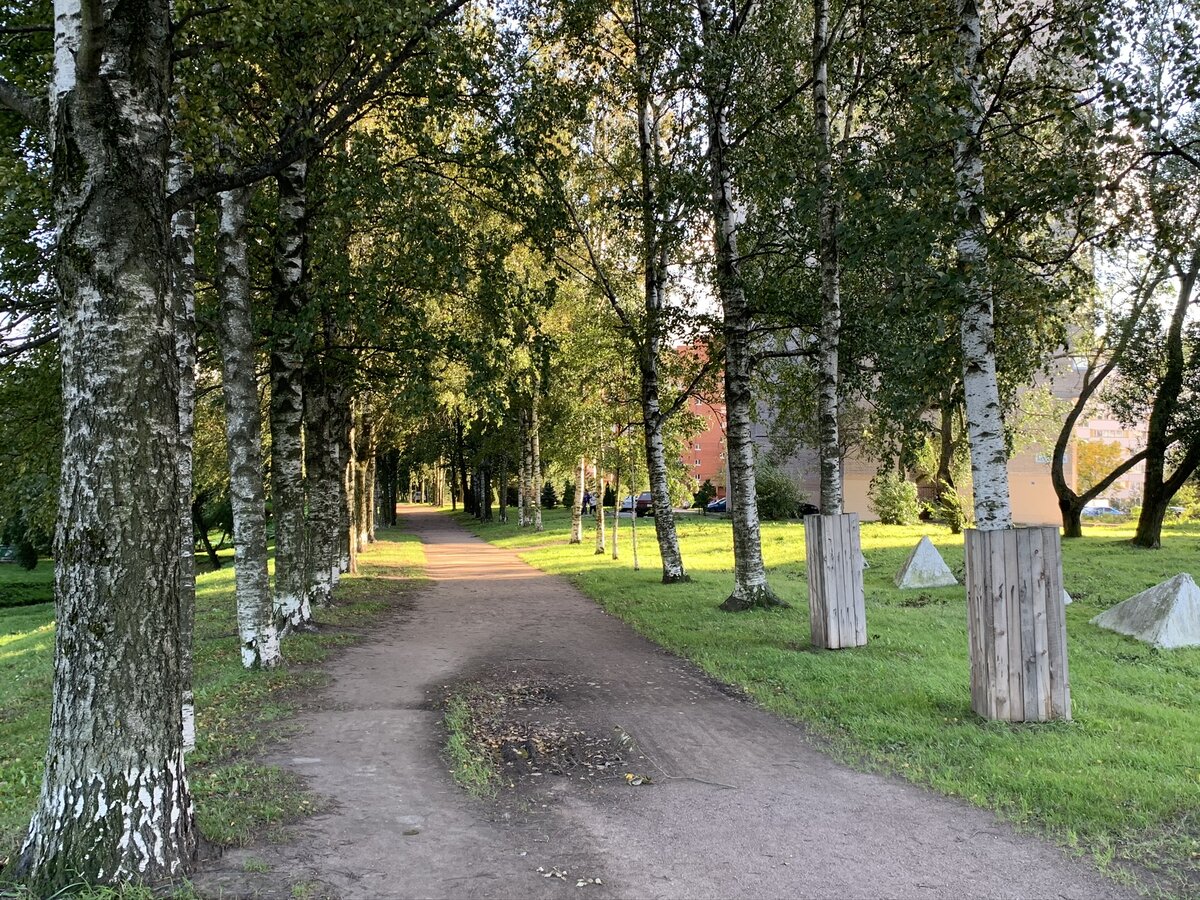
x,y
831,301
323,467
985,419
114,803
183,289
750,587
287,396
259,638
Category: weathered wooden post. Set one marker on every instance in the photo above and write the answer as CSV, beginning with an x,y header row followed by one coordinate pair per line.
x,y
1016,625
836,604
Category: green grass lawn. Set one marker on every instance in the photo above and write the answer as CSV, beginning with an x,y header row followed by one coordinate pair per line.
x,y
237,711
1122,781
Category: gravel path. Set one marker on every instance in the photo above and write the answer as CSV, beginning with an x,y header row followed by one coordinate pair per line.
x,y
741,804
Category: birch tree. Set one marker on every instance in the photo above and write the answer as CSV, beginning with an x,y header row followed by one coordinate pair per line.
x,y
115,802
259,637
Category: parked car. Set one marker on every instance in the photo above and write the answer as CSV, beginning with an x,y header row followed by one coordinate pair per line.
x,y
627,504
645,504
807,509
716,506
1101,511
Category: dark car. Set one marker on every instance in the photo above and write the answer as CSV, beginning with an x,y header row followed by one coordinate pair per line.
x,y
807,509
717,506
645,504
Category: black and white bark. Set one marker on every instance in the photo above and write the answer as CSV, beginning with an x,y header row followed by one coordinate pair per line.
x,y
577,506
257,633
829,443
750,589
616,552
349,520
522,470
654,265
323,468
287,395
183,289
114,803
985,417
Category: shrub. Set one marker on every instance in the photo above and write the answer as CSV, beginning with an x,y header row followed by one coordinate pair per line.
x,y
609,497
955,509
894,499
549,495
705,495
568,497
778,496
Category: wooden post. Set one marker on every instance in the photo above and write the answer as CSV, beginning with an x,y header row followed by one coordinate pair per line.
x,y
836,604
1016,625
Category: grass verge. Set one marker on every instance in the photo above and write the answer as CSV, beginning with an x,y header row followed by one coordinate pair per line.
x,y
470,764
1121,782
239,712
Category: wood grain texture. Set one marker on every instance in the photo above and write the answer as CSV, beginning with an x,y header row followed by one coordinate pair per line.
x,y
836,602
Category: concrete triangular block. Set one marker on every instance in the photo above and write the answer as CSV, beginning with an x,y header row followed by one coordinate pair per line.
x,y
925,568
1165,616
1067,598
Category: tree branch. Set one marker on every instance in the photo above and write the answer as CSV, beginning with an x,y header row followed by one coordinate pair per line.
x,y
34,111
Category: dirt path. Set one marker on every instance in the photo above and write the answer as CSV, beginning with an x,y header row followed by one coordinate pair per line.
x,y
741,804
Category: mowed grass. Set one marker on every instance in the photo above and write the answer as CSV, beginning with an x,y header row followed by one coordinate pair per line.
x,y
238,712
1122,781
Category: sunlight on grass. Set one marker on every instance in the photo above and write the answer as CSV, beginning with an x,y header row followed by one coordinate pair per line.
x,y
1123,777
238,712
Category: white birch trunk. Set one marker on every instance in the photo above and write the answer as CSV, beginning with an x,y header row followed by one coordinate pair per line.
x,y
183,288
323,467
349,523
985,420
831,301
535,452
522,488
577,507
750,587
654,263
600,535
114,803
287,398
616,513
259,638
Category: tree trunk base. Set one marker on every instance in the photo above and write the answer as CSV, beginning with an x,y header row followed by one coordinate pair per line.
x,y
682,578
759,597
1016,625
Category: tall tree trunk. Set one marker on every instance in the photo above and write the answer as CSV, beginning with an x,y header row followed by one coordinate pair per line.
x,y
598,473
985,419
750,587
577,503
1157,487
503,488
831,300
114,802
324,466
243,432
654,264
487,493
372,504
183,289
287,395
460,458
363,452
523,464
349,519
535,453
616,553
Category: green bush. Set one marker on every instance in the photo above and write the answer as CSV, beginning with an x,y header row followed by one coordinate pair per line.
x,y
609,497
778,496
549,495
568,498
894,499
955,509
705,495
